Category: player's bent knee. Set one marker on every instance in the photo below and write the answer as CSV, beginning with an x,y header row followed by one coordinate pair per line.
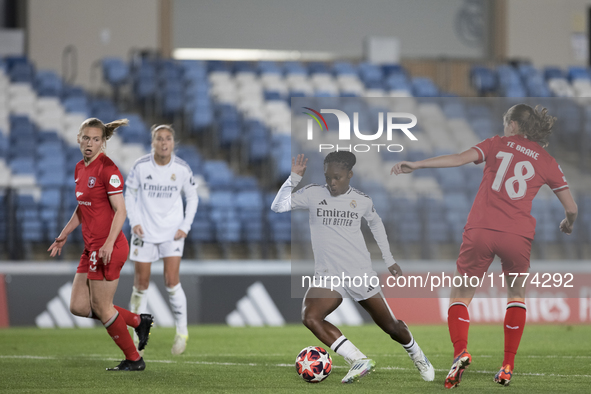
x,y
311,321
79,310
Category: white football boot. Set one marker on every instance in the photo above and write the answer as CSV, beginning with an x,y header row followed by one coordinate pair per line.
x,y
180,344
359,369
424,366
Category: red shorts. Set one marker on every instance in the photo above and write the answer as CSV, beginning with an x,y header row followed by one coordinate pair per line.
x,y
479,247
93,266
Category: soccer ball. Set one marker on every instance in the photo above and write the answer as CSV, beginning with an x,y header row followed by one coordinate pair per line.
x,y
313,364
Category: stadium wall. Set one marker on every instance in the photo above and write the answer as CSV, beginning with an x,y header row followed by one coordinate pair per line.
x,y
255,293
543,31
96,28
426,28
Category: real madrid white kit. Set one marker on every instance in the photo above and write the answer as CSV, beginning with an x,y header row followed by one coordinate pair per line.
x,y
335,226
153,200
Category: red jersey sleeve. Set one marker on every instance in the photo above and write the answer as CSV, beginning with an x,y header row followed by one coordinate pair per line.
x,y
483,148
555,177
112,179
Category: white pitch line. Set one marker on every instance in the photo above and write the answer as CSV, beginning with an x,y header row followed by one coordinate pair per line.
x,y
389,368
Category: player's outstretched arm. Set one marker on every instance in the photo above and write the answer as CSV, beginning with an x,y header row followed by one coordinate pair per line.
x,y
570,211
455,160
282,201
60,241
298,164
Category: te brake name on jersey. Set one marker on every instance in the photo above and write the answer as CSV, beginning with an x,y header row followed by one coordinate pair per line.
x,y
528,152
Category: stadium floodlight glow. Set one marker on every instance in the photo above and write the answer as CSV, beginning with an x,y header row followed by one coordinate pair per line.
x,y
249,54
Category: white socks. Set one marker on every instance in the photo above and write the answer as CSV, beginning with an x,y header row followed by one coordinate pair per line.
x,y
412,348
342,346
139,301
178,303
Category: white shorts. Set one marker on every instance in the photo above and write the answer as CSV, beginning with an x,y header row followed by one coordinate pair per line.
x,y
147,252
363,285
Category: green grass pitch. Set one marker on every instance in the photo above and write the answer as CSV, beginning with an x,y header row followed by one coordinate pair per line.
x,y
221,359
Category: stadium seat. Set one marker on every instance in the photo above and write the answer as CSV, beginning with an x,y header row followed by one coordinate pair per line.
x,y
115,71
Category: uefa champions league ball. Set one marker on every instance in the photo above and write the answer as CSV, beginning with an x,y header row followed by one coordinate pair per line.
x,y
313,364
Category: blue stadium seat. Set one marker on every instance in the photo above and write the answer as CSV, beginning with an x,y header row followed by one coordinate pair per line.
x,y
218,175
253,231
76,104
554,72
23,165
424,87
318,68
22,73
294,67
222,199
202,231
269,67
280,230
51,198
115,71
32,230
48,83
201,119
577,72
228,231
344,68
483,79
52,178
370,73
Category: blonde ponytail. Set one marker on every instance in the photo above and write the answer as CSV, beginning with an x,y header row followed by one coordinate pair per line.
x,y
112,126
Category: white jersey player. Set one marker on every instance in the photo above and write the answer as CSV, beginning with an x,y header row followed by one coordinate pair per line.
x,y
335,212
159,226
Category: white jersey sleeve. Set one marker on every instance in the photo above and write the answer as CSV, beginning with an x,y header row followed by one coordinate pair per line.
x,y
190,191
132,184
379,233
285,200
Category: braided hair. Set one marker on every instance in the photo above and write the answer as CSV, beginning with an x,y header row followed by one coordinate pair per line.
x,y
343,158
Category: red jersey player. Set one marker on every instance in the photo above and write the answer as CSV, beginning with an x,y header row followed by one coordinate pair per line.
x,y
101,211
500,222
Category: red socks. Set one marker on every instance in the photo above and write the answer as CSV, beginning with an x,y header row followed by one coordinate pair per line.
x,y
117,329
458,322
131,319
513,326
